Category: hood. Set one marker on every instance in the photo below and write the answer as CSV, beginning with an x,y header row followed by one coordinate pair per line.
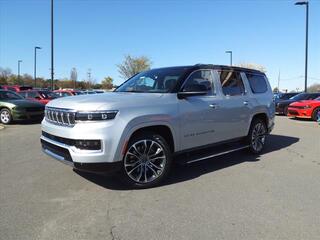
x,y
106,101
24,103
287,102
305,102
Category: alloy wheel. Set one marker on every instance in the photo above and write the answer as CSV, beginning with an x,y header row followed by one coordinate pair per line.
x,y
258,137
5,116
145,161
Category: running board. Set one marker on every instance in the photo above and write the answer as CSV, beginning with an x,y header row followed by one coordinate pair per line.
x,y
204,154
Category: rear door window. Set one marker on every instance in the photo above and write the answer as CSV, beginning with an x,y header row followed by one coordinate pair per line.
x,y
231,83
257,83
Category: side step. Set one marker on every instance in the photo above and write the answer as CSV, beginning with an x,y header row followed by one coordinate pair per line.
x,y
207,153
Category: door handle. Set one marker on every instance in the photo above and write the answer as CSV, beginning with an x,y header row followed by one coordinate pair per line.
x,y
246,103
214,106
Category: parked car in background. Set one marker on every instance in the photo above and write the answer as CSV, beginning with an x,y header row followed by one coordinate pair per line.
x,y
16,88
42,96
283,105
14,107
284,96
88,92
66,93
160,116
305,109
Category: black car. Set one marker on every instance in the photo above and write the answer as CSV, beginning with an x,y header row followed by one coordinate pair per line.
x,y
282,105
285,96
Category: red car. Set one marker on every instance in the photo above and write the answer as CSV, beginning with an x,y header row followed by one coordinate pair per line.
x,y
42,96
66,93
15,88
305,109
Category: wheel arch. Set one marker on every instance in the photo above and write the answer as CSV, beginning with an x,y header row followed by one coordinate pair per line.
x,y
161,129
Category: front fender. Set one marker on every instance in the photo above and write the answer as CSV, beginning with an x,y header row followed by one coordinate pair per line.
x,y
142,122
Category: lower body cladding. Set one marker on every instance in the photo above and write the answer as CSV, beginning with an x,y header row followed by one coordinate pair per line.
x,y
72,152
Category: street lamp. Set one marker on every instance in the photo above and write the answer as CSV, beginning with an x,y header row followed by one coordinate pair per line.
x,y
230,52
306,3
52,63
19,61
35,65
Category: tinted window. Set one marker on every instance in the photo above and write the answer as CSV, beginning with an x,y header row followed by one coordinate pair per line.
x,y
257,83
33,94
231,83
23,94
198,81
7,95
305,96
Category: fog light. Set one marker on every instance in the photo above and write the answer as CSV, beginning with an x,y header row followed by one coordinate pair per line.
x,y
88,144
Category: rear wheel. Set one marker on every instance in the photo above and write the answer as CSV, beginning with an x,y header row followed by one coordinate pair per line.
x,y
5,116
257,136
147,160
285,111
315,114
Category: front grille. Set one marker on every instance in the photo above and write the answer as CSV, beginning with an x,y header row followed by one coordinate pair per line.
x,y
67,141
60,116
292,112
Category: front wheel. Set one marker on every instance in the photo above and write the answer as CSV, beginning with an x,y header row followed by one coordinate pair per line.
x,y
147,160
257,136
315,114
5,116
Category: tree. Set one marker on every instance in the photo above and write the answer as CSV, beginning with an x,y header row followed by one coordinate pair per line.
x,y
252,66
74,76
133,65
314,88
107,83
275,90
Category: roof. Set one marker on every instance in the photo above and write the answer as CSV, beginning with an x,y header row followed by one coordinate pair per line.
x,y
219,67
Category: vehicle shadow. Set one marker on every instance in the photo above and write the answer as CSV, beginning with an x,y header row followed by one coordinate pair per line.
x,y
181,173
301,119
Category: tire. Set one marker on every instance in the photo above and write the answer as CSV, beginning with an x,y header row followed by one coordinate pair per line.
x,y
315,114
147,161
257,136
5,116
285,111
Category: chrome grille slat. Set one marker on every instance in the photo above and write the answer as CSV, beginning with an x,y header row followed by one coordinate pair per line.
x,y
60,116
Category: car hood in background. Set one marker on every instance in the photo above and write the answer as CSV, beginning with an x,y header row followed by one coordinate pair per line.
x,y
305,102
23,103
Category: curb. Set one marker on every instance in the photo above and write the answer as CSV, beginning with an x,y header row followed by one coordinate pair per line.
x,y
1,127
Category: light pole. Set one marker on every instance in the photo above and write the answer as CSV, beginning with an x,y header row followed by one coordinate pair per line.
x,y
19,61
306,3
230,52
35,65
52,69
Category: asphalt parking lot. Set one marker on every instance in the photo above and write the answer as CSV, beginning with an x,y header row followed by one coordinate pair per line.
x,y
238,196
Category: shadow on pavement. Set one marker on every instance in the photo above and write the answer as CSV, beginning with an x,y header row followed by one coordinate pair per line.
x,y
181,173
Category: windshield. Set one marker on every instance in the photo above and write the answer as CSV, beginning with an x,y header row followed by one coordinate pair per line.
x,y
4,95
47,94
301,96
161,80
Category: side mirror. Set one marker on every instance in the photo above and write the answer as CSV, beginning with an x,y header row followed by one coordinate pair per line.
x,y
182,95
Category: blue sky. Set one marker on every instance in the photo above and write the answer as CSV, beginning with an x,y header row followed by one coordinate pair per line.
x,y
96,34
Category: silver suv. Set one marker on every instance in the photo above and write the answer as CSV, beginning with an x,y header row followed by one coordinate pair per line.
x,y
184,114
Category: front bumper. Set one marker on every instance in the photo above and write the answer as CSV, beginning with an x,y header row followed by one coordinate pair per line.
x,y
299,113
63,153
24,115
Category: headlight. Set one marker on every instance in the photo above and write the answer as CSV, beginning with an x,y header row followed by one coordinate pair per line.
x,y
95,116
307,106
